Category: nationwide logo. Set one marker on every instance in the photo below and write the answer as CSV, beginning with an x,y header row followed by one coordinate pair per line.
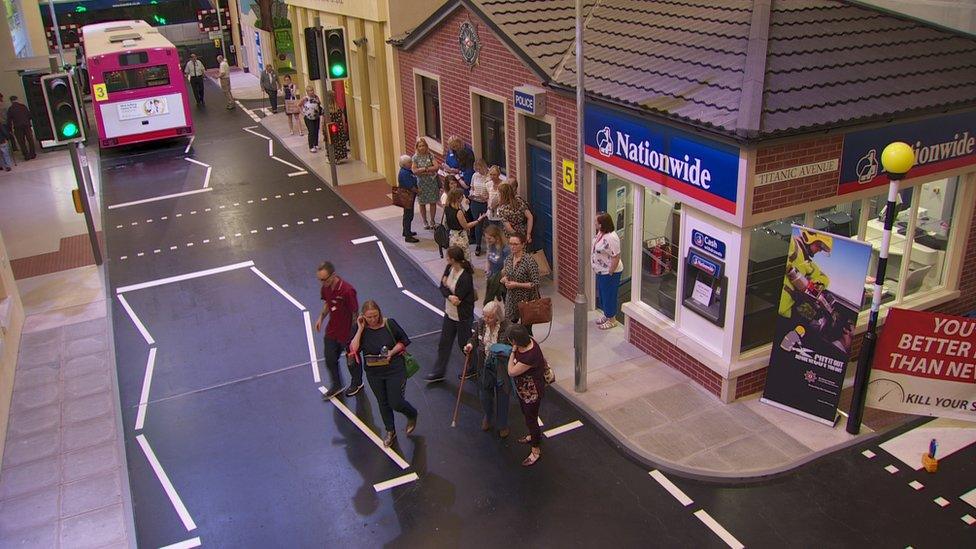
x,y
683,168
961,145
699,240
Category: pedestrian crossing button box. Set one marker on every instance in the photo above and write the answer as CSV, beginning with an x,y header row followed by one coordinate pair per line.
x,y
705,287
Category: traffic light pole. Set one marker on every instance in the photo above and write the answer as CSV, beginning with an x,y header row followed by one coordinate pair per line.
x,y
73,148
220,27
57,32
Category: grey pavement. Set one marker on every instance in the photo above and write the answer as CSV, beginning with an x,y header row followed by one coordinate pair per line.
x,y
658,415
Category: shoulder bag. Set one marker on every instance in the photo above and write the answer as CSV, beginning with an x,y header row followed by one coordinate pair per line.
x,y
409,361
442,236
403,198
536,311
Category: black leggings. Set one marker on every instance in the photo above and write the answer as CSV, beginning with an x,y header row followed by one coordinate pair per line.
x,y
313,132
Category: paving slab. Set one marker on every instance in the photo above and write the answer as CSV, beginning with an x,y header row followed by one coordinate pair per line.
x,y
91,493
103,527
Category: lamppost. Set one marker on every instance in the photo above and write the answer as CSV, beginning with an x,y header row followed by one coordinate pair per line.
x,y
579,303
896,159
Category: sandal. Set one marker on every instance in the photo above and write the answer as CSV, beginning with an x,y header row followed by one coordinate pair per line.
x,y
601,320
527,439
611,323
531,459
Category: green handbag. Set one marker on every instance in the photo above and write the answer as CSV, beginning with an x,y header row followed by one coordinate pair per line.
x,y
411,363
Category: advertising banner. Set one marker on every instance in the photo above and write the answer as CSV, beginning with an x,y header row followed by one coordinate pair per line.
x,y
699,168
925,364
142,108
822,294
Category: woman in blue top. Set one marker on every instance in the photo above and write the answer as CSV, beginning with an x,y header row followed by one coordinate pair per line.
x,y
497,253
407,180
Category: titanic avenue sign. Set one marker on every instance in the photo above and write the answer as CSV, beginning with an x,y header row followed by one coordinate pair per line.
x,y
797,172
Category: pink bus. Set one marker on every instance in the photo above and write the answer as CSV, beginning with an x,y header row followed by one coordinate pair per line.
x,y
138,90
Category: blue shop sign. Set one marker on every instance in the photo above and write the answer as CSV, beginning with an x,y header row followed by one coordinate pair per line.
x,y
696,167
704,264
711,245
940,144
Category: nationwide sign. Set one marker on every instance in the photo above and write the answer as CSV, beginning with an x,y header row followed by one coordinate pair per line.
x,y
925,364
939,144
702,169
711,245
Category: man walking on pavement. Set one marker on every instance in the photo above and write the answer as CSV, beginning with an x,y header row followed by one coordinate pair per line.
x,y
19,118
270,85
224,75
195,71
341,306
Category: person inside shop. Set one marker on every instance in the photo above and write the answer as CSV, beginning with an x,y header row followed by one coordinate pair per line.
x,y
605,260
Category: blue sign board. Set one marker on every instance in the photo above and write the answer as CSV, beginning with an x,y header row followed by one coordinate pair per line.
x,y
704,264
940,144
696,167
525,101
711,245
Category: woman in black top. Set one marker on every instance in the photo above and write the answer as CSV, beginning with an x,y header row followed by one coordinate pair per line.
x,y
527,367
457,223
457,286
379,344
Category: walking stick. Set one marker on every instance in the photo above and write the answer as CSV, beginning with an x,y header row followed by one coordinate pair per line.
x,y
464,374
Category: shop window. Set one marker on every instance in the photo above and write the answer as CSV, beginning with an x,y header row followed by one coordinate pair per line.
x,y
430,104
842,219
491,115
768,251
933,222
659,252
537,130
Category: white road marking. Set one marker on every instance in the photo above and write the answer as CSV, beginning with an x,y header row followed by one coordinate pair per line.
x,y
189,244
389,265
277,196
315,220
182,277
135,319
221,238
149,221
295,174
953,435
318,188
300,222
269,228
280,290
197,162
250,130
345,214
188,145
284,225
330,217
237,234
305,191
156,251
266,111
206,241
366,431
311,347
916,485
270,148
164,218
563,428
174,498
134,223
254,231
173,247
968,520
539,421
891,469
264,199
179,215
364,240
868,454
291,194
144,396
193,212
421,300
250,202
714,526
666,483
185,544
157,198
286,163
941,501
969,497
140,254
394,482
207,209
123,258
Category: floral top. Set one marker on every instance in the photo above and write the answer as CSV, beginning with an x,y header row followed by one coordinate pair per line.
x,y
514,215
530,385
526,270
605,247
311,107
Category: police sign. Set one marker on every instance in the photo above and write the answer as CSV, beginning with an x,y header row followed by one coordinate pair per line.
x,y
530,100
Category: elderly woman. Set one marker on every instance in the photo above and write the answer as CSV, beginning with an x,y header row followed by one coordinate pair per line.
x,y
514,212
520,276
494,385
426,171
382,342
527,367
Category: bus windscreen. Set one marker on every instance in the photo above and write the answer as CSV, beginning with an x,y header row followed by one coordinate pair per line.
x,y
134,79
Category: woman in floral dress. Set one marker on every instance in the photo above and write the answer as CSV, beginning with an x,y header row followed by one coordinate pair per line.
x,y
426,171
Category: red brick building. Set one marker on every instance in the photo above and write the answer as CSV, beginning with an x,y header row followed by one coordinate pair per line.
x,y
709,132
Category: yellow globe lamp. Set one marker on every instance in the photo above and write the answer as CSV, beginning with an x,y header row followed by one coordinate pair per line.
x,y
897,158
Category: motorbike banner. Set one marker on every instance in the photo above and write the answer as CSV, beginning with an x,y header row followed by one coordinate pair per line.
x,y
823,290
925,364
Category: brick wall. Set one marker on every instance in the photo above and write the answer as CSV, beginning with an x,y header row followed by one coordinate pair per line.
x,y
498,71
750,383
660,348
796,191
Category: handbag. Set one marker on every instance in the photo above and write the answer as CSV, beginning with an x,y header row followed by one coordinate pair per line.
x,y
537,311
548,375
291,106
409,361
442,236
540,259
403,198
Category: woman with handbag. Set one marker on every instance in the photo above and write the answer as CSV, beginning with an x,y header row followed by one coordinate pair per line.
x,y
514,212
457,286
494,385
605,260
497,252
426,171
527,367
290,91
520,276
380,344
457,222
311,107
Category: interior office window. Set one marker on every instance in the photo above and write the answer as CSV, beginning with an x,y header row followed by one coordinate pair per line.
x,y
842,219
492,118
537,130
659,252
768,251
872,233
933,223
431,104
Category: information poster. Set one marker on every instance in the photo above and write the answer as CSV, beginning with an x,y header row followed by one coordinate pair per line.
x,y
925,364
823,289
142,108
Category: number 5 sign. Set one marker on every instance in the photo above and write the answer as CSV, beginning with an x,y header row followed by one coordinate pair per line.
x,y
569,175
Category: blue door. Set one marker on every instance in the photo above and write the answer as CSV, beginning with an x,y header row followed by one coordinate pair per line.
x,y
540,197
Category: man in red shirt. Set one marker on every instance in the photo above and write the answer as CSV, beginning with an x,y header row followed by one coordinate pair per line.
x,y
341,306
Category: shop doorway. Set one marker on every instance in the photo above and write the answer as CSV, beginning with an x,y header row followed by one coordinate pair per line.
x,y
538,148
616,197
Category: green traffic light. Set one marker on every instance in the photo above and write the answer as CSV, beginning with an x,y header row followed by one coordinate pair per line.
x,y
338,70
69,130
80,9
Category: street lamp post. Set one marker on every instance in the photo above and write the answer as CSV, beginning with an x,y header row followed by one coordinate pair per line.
x,y
896,159
579,304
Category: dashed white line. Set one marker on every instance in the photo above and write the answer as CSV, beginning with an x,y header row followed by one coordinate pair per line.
x,y
868,454
277,196
666,483
206,241
318,188
916,485
193,212
173,247
174,497
206,209
156,251
146,383
941,501
969,520
284,225
221,238
237,203
714,526
394,482
123,258
237,234
189,244
134,223
254,231
345,214
118,226
291,194
315,220
140,254
135,319
891,469
563,428
305,191
269,228
300,222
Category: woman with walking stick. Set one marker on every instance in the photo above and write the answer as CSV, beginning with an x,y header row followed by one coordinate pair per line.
x,y
494,385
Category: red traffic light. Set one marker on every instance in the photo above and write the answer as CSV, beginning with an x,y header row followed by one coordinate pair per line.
x,y
333,128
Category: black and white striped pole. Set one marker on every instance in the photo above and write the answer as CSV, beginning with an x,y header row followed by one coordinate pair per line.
x,y
896,159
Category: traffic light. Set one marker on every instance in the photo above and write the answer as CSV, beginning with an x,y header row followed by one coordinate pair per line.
x,y
314,52
335,53
333,132
63,108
